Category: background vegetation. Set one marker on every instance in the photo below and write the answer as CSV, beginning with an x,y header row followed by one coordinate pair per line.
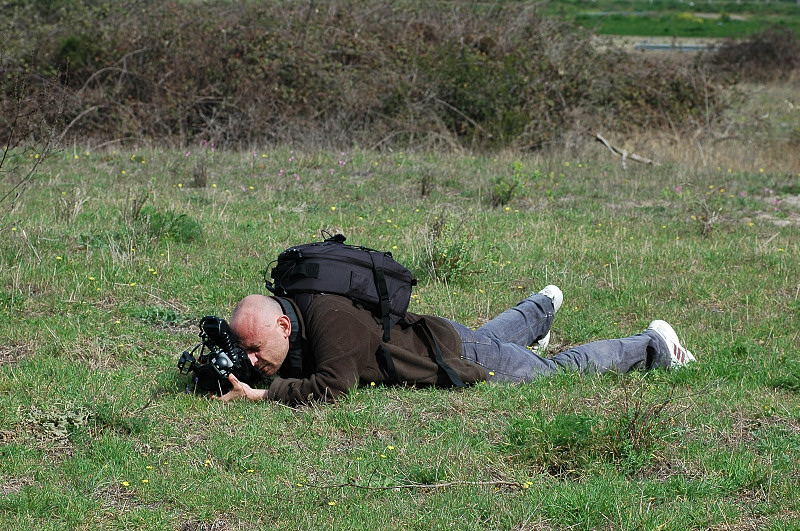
x,y
135,200
349,72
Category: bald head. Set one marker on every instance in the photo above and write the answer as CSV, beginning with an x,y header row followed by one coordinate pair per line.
x,y
253,306
262,330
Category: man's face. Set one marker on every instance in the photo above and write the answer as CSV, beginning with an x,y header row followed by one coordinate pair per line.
x,y
265,342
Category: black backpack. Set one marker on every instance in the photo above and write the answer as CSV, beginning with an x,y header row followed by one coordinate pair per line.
x,y
367,276
370,277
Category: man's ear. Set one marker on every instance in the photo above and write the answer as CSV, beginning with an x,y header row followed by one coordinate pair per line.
x,y
285,324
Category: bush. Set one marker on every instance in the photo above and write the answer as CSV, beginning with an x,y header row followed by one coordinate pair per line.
x,y
771,55
347,72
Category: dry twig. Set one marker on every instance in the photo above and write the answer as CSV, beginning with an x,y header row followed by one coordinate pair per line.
x,y
496,483
624,153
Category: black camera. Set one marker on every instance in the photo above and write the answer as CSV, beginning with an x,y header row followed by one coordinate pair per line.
x,y
219,357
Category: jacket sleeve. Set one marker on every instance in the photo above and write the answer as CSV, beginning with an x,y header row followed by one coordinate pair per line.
x,y
339,342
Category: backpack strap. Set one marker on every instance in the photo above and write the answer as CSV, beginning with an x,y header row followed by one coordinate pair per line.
x,y
383,293
295,355
436,354
390,369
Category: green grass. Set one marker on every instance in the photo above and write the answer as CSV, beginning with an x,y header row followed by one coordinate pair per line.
x,y
670,18
110,258
678,25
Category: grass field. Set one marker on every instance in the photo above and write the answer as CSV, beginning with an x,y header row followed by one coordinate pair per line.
x,y
110,257
672,18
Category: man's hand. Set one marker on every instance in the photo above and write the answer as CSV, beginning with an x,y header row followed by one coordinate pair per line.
x,y
242,390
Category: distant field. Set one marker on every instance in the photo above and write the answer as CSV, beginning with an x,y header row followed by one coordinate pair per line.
x,y
678,19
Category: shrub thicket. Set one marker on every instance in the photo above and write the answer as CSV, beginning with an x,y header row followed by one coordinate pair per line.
x,y
773,54
368,72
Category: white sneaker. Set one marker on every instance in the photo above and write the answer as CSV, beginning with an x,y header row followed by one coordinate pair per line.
x,y
680,356
540,346
555,295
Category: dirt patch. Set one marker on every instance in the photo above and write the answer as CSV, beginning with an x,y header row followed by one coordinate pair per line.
x,y
673,47
716,16
216,525
780,222
121,498
779,215
14,353
756,523
12,485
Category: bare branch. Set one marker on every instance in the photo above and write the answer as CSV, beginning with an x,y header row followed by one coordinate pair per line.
x,y
494,483
624,153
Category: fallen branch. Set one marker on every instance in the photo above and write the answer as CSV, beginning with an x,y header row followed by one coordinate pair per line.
x,y
624,153
499,483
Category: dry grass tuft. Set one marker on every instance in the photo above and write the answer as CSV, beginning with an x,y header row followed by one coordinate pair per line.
x,y
12,485
14,353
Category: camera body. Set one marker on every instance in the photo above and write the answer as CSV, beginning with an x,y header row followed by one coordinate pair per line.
x,y
219,357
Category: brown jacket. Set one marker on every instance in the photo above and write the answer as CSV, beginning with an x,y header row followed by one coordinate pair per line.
x,y
342,352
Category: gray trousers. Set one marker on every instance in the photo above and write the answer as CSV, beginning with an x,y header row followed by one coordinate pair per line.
x,y
500,346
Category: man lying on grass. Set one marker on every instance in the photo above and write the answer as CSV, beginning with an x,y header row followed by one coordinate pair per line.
x,y
342,347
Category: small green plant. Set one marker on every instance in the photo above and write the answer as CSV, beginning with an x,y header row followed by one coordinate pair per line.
x,y
58,420
561,445
169,225
448,251
157,314
506,188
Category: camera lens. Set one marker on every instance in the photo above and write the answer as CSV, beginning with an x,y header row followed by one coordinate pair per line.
x,y
223,361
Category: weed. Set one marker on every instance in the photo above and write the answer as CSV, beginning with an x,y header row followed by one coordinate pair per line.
x,y
448,247
170,225
70,207
157,314
136,205
506,188
91,240
562,445
641,423
708,216
200,174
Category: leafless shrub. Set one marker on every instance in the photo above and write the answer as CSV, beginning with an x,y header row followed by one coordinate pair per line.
x,y
30,112
371,73
773,54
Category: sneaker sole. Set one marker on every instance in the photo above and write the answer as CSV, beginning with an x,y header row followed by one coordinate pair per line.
x,y
540,346
680,355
